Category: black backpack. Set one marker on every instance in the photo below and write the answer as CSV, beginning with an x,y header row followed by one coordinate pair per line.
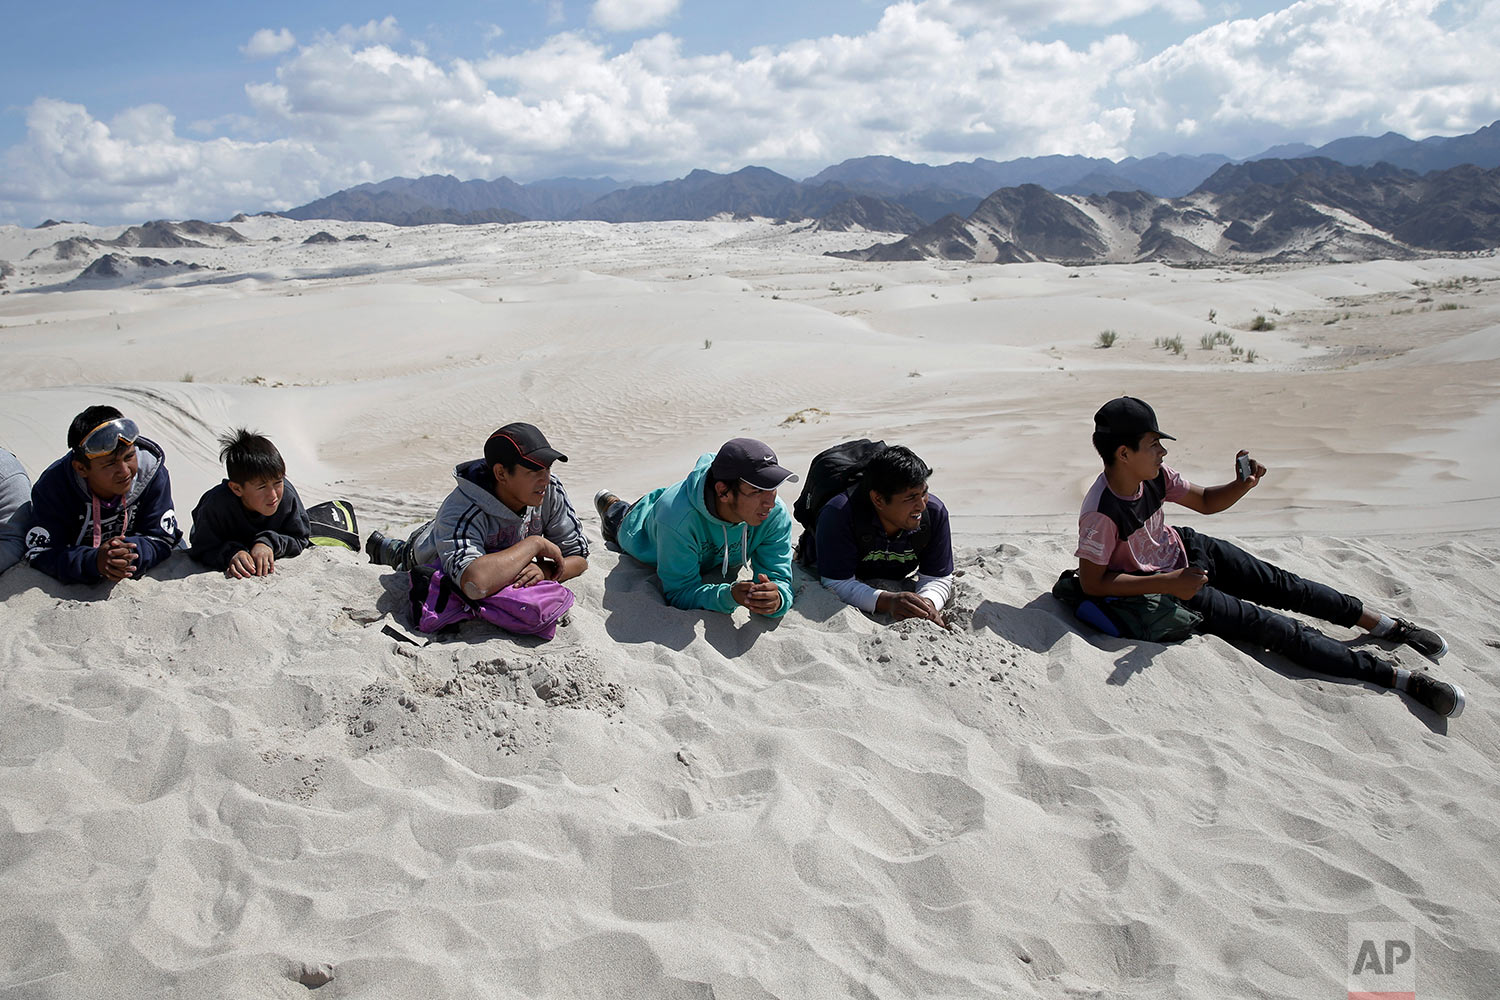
x,y
333,523
832,472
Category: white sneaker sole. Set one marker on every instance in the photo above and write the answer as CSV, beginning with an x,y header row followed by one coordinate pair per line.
x,y
1458,704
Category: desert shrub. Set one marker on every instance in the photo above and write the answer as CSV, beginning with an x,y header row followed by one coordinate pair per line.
x,y
1250,357
1107,338
1261,323
1211,340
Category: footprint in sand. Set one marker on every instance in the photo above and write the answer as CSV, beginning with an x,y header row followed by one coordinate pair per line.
x,y
739,792
1205,811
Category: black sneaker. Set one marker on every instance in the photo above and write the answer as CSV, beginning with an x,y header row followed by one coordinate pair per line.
x,y
1423,640
385,551
604,503
1443,698
373,545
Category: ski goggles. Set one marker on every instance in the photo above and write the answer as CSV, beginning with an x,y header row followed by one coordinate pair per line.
x,y
104,439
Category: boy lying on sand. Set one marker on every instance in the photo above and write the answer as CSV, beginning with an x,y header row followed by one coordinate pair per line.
x,y
15,509
885,527
507,522
724,514
104,510
1126,548
247,522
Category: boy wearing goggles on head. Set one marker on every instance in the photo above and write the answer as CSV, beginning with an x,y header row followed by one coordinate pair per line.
x,y
103,511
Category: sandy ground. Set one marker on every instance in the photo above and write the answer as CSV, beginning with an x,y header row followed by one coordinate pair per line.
x,y
212,788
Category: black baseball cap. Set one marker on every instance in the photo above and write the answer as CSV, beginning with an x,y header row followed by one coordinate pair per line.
x,y
521,443
750,461
1128,417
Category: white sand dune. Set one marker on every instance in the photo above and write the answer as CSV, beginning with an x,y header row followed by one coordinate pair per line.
x,y
216,788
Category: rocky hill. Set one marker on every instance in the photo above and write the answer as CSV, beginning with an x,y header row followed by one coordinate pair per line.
x,y
162,233
863,212
1269,210
114,266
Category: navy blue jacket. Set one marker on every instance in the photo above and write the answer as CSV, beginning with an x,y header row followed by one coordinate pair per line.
x,y
61,542
852,544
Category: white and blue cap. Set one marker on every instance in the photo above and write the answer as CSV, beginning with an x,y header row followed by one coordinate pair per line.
x,y
752,462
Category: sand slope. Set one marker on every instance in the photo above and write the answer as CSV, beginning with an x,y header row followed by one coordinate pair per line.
x,y
213,788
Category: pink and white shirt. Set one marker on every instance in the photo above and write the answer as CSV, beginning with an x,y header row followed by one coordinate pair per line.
x,y
1129,534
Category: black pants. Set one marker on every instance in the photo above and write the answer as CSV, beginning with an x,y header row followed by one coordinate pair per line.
x,y
1238,584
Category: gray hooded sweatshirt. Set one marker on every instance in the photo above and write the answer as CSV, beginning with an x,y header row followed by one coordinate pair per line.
x,y
472,522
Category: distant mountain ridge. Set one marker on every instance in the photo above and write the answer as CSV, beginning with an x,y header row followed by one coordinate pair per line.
x,y
438,198
928,192
1302,209
1161,174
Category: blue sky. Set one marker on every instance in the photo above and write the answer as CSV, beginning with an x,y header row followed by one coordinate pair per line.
x,y
118,112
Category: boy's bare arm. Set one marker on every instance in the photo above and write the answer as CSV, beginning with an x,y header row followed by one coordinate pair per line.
x,y
1213,499
1097,581
494,571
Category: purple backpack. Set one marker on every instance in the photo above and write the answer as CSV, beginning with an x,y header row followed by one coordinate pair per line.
x,y
437,604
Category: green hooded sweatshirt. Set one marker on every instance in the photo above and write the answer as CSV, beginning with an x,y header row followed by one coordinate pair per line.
x,y
672,529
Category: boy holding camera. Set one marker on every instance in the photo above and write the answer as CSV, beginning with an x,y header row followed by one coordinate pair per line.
x,y
1125,548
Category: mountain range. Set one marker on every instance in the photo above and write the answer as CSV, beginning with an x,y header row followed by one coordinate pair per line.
x,y
1304,209
437,198
926,192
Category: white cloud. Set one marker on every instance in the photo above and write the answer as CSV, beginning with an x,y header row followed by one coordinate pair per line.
x,y
265,43
135,168
632,15
1321,69
384,31
930,81
1033,14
